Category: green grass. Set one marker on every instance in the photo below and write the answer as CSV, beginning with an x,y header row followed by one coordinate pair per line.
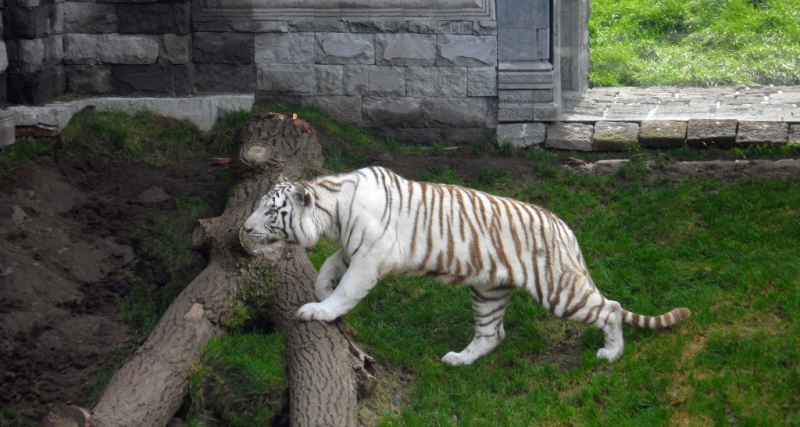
x,y
168,241
243,376
222,139
694,42
22,151
144,136
148,137
728,251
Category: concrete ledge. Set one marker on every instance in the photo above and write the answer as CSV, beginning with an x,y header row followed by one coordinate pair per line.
x,y
203,111
7,136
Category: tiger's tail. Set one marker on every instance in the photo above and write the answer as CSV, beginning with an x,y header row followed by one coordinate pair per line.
x,y
656,322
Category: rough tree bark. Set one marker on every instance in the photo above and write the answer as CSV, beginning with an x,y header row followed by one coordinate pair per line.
x,y
151,386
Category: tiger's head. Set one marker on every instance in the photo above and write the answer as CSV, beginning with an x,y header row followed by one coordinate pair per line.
x,y
279,216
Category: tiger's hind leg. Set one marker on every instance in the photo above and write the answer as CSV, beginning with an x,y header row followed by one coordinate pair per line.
x,y
603,313
576,298
610,321
488,308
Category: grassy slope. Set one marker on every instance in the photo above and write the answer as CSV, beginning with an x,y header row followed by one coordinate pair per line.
x,y
695,42
729,252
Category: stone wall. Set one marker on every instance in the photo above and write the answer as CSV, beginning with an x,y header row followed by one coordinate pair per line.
x,y
34,47
437,83
97,48
420,72
415,81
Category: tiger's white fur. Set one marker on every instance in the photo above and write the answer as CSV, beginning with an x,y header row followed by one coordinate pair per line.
x,y
385,224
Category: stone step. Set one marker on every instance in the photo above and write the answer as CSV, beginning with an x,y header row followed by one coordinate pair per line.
x,y
624,136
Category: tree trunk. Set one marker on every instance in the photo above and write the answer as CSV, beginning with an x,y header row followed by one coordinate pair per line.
x,y
150,387
322,385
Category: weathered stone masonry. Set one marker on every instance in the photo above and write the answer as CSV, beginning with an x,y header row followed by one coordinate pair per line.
x,y
418,71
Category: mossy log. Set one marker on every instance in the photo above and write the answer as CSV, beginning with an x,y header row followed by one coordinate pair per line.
x,y
150,387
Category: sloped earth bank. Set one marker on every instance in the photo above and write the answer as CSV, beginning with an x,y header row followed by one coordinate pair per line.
x,y
68,235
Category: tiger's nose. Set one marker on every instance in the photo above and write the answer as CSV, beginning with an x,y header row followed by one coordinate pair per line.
x,y
248,229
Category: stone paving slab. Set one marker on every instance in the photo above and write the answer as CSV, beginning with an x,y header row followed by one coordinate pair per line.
x,y
704,133
743,103
662,133
759,133
570,136
615,136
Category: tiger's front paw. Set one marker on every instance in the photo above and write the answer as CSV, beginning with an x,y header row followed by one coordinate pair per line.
x,y
315,311
456,359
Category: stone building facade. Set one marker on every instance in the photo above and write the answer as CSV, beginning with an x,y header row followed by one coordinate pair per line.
x,y
417,71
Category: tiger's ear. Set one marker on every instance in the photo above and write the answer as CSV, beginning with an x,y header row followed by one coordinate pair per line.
x,y
281,179
302,195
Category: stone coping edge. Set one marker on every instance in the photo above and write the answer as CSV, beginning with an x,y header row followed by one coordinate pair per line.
x,y
203,111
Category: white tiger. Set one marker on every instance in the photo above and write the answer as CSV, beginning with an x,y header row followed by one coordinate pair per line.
x,y
385,224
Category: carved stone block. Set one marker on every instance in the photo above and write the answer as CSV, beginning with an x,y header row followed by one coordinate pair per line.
x,y
454,112
392,112
466,51
703,133
569,136
662,133
760,133
436,82
405,49
344,48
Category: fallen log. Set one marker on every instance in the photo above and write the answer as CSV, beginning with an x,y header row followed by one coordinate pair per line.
x,y
150,387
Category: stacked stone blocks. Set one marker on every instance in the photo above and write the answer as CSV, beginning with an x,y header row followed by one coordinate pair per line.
x,y
33,51
624,136
128,48
113,47
422,87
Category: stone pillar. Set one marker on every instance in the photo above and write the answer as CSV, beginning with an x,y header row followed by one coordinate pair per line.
x,y
573,44
526,75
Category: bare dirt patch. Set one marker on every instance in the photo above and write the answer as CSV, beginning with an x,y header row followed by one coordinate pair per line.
x,y
67,232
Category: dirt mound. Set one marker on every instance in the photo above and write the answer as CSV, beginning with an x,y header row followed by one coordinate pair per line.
x,y
67,227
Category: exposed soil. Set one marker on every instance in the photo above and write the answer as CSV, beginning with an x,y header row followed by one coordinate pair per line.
x,y
68,227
